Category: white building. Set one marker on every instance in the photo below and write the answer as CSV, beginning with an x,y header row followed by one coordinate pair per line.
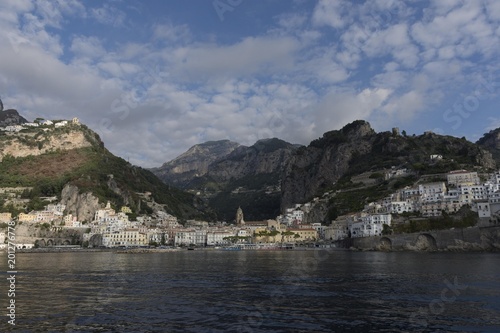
x,y
185,237
469,193
463,177
369,225
320,229
216,237
399,207
13,128
127,237
483,208
61,123
433,191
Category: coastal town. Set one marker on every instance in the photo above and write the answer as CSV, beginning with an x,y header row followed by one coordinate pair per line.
x,y
112,227
430,196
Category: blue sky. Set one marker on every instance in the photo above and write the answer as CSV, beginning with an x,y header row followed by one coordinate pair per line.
x,y
156,77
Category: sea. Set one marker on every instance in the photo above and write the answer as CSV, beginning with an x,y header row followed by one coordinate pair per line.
x,y
321,290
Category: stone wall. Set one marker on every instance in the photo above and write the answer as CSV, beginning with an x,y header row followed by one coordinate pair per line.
x,y
468,239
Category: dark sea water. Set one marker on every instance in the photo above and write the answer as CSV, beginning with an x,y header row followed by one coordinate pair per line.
x,y
255,291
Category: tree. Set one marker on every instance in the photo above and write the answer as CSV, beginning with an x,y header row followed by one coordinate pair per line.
x,y
273,234
286,233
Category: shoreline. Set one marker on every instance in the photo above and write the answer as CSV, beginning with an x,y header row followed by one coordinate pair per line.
x,y
352,249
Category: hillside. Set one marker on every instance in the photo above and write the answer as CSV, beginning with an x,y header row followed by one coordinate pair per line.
x,y
329,162
51,159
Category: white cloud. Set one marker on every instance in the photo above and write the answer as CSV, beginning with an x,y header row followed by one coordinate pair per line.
x,y
341,107
251,55
87,47
108,15
172,33
334,13
494,123
301,74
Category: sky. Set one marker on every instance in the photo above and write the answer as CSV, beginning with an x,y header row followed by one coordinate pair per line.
x,y
155,77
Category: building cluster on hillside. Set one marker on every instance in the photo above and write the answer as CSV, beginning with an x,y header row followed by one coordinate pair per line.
x,y
115,229
55,124
428,199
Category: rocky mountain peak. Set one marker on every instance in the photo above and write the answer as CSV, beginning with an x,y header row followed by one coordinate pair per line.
x,y
491,142
194,162
358,129
11,117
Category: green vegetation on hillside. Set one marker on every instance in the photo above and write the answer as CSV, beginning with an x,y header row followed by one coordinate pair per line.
x,y
463,219
94,169
352,197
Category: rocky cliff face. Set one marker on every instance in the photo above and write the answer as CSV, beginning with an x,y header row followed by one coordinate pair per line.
x,y
11,117
324,161
81,205
29,144
264,157
491,142
194,162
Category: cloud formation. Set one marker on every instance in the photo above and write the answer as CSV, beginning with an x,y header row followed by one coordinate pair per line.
x,y
155,78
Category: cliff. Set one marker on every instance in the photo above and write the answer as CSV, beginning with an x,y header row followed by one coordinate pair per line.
x,y
491,142
37,143
194,162
266,156
83,205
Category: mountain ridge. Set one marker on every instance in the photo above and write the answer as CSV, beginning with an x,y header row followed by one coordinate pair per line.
x,y
309,171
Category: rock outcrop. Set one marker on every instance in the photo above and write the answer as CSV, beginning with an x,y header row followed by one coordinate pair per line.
x,y
11,117
30,144
81,205
29,233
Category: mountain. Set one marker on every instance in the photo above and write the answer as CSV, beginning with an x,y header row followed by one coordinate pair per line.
x,y
71,162
11,117
491,142
357,148
246,176
194,162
